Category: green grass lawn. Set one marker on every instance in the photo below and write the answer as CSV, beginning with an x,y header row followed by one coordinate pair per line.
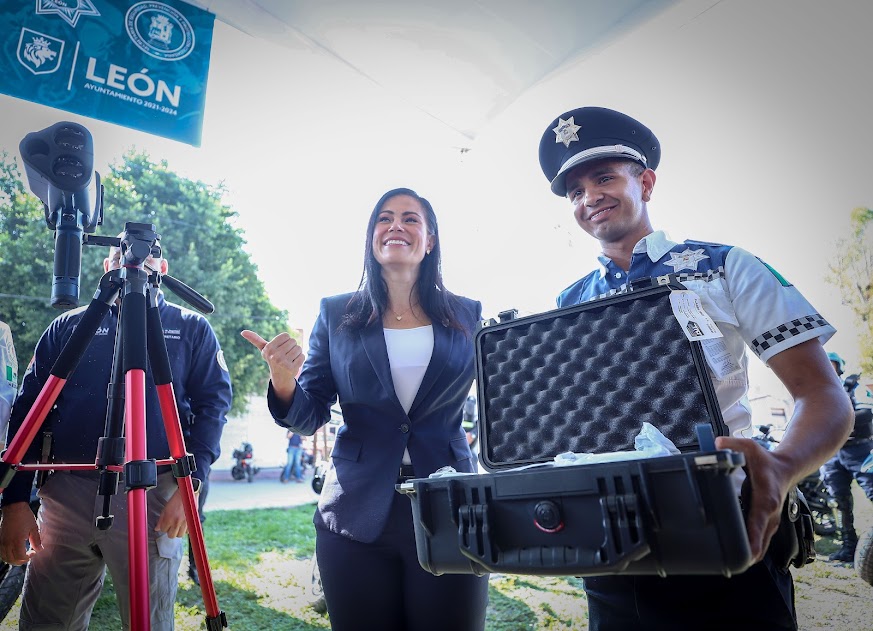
x,y
261,569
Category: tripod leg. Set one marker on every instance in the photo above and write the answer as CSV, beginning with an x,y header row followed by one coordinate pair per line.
x,y
139,474
162,373
63,367
110,447
137,513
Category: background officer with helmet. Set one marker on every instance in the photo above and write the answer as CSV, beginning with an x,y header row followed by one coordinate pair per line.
x,y
845,466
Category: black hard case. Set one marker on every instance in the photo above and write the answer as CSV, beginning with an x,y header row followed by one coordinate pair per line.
x,y
583,379
669,515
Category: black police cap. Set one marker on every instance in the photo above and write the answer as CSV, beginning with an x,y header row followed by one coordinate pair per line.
x,y
594,133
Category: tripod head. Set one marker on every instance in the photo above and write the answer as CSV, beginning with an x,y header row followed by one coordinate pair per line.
x,y
136,245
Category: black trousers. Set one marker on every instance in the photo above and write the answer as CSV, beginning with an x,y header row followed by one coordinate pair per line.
x,y
759,599
381,585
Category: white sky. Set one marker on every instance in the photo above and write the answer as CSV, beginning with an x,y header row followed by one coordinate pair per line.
x,y
761,109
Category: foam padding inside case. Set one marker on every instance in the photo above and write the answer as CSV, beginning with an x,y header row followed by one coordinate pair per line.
x,y
584,379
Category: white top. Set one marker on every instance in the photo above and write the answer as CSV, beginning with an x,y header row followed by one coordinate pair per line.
x,y
409,352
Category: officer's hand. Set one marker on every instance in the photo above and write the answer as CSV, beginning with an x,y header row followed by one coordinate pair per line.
x,y
172,519
17,526
284,356
769,484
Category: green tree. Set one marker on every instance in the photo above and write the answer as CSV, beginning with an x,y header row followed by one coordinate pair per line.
x,y
852,273
26,254
203,248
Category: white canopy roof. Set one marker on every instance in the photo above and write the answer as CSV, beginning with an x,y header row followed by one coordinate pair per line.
x,y
461,62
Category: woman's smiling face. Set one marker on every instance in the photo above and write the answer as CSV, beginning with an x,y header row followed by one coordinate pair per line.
x,y
400,236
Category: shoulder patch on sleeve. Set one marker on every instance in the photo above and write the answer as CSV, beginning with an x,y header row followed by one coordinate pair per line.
x,y
782,280
219,357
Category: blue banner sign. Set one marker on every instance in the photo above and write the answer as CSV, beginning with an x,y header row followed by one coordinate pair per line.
x,y
139,64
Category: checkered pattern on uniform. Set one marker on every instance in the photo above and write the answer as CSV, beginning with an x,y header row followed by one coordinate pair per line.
x,y
708,276
787,331
611,292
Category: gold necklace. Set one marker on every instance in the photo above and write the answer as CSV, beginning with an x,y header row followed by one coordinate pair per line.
x,y
400,317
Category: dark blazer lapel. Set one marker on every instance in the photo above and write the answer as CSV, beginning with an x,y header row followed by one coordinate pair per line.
x,y
373,340
443,341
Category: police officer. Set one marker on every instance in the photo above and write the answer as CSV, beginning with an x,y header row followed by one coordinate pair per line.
x,y
604,163
69,554
846,465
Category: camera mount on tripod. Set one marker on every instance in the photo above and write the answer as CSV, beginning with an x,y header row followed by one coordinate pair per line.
x,y
59,164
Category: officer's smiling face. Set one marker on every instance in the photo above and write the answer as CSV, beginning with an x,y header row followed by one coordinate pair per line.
x,y
609,198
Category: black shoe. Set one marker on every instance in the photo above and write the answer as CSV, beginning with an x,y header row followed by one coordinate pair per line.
x,y
192,574
846,554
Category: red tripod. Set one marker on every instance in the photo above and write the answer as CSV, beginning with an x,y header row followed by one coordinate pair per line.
x,y
139,342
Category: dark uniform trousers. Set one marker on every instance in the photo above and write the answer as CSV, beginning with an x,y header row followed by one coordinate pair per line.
x,y
759,599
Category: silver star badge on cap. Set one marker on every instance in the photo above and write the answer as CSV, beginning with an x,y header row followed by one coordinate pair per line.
x,y
566,131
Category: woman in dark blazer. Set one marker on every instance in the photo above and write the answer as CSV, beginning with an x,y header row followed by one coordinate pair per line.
x,y
398,354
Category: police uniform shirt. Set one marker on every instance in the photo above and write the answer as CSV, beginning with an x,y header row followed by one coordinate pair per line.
x,y
750,302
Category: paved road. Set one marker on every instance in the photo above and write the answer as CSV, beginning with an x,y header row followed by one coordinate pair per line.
x,y
265,491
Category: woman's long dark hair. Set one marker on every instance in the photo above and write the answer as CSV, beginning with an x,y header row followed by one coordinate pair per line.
x,y
371,299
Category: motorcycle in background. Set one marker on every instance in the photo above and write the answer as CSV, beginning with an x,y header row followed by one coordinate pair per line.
x,y
821,503
319,475
244,467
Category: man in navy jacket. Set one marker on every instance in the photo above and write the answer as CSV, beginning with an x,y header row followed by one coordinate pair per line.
x,y
68,553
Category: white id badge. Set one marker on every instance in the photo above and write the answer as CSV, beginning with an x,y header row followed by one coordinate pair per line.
x,y
698,326
689,312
